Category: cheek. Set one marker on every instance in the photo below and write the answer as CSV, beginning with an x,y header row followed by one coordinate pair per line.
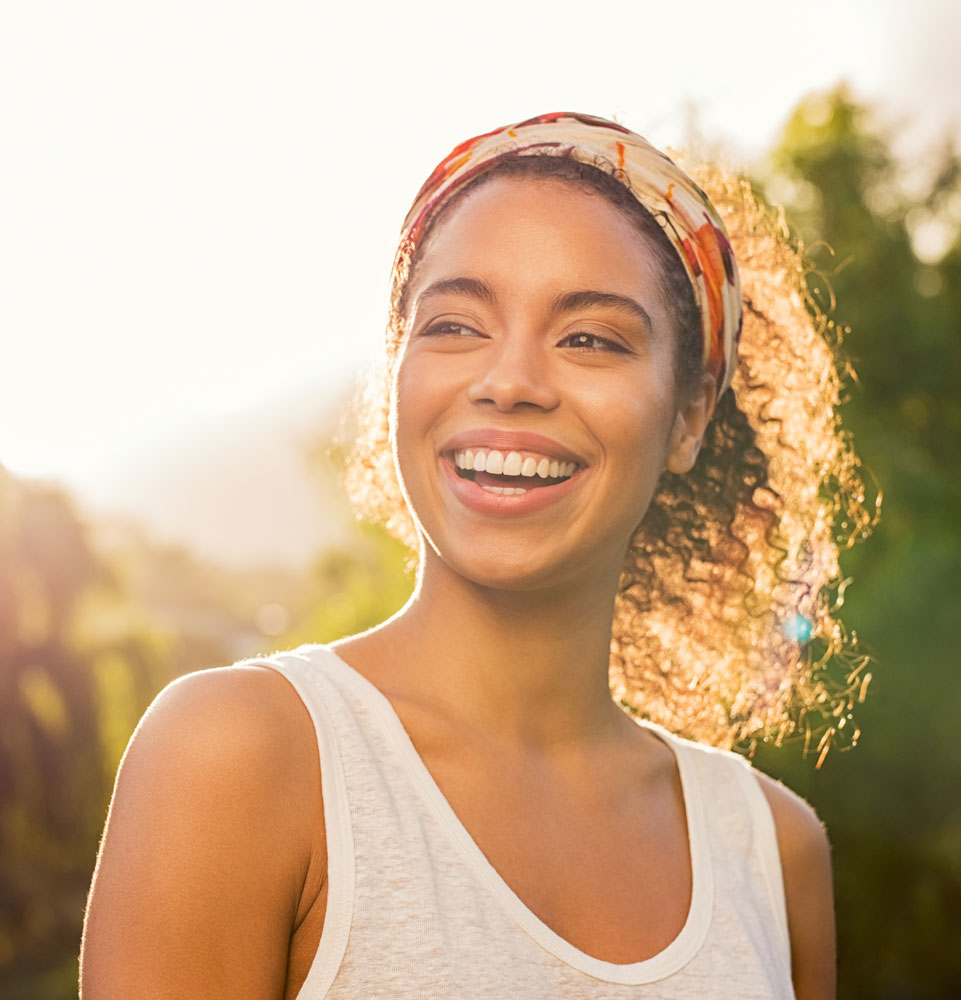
x,y
636,420
639,428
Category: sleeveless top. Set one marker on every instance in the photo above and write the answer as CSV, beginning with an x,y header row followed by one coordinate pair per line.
x,y
415,910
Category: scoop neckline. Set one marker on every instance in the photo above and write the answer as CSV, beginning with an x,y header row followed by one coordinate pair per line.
x,y
659,966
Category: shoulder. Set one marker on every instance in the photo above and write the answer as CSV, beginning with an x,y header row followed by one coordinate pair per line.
x,y
229,747
242,715
805,862
210,836
801,835
234,742
242,729
808,888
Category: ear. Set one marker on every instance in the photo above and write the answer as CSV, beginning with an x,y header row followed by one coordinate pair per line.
x,y
689,426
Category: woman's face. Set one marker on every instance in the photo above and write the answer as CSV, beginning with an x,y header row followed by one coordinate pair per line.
x,y
535,403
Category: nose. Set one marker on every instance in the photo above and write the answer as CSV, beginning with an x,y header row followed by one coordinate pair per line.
x,y
515,373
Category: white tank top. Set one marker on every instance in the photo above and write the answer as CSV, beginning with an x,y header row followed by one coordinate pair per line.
x,y
415,909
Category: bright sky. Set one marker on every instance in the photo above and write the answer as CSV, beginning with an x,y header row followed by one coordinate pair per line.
x,y
199,198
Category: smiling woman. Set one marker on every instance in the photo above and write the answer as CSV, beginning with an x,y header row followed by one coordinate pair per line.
x,y
606,492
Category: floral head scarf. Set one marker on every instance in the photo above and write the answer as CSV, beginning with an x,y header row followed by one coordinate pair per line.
x,y
690,221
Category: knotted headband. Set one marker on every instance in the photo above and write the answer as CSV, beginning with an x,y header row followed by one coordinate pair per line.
x,y
690,221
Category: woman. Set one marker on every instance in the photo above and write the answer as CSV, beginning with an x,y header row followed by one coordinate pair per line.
x,y
452,804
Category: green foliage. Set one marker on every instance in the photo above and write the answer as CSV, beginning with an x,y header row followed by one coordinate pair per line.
x,y
891,804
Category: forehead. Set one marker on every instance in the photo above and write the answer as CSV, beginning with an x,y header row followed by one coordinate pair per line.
x,y
538,229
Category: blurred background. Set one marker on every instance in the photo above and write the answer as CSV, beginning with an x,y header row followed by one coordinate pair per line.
x,y
198,206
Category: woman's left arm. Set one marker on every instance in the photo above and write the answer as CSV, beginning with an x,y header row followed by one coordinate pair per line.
x,y
808,889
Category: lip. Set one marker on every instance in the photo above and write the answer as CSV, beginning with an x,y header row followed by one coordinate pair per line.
x,y
500,440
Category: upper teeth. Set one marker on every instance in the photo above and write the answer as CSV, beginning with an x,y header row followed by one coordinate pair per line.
x,y
513,463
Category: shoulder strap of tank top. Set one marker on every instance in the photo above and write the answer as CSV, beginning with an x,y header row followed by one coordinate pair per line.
x,y
303,668
763,822
758,814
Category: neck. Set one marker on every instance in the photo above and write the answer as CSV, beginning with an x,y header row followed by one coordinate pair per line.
x,y
529,666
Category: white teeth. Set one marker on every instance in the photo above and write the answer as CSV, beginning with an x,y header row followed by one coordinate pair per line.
x,y
512,464
508,491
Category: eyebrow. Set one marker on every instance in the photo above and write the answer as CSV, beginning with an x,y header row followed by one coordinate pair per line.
x,y
609,300
475,288
472,288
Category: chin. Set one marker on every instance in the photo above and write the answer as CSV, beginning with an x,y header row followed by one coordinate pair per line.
x,y
522,573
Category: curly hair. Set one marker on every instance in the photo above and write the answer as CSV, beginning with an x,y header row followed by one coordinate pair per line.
x,y
725,627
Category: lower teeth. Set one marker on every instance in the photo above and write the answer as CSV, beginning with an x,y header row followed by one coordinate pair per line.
x,y
510,491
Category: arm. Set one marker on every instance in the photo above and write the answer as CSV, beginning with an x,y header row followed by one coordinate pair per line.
x,y
808,889
210,835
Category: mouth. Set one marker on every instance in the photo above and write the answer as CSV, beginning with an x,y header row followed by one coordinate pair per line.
x,y
511,473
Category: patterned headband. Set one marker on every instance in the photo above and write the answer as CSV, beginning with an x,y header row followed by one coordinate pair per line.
x,y
690,221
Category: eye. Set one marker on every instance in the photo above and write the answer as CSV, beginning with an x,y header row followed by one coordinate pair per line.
x,y
448,328
592,342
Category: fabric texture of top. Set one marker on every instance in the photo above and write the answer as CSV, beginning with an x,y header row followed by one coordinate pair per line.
x,y
415,910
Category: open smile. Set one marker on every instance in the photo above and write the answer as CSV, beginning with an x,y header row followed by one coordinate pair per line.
x,y
509,481
510,473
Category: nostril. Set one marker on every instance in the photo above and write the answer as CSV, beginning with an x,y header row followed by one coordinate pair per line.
x,y
511,397
510,386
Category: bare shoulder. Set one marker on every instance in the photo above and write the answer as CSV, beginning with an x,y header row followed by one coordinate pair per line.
x,y
808,888
208,842
234,717
799,830
239,732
